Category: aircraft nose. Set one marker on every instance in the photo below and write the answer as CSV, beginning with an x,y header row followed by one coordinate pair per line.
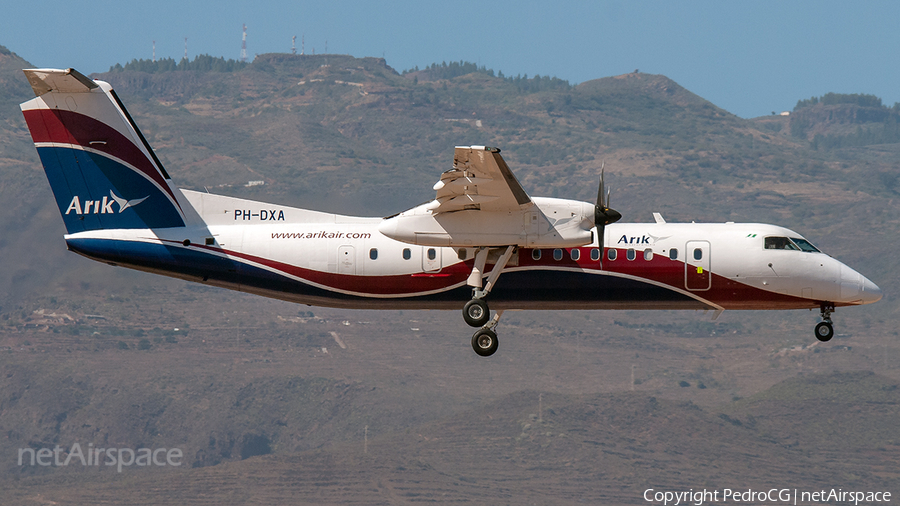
x,y
869,291
856,288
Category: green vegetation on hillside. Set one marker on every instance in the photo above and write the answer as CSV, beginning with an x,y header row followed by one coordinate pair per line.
x,y
859,99
202,63
453,69
461,68
887,132
838,120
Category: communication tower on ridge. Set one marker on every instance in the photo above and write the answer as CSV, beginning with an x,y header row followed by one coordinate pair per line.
x,y
185,48
294,44
244,46
303,44
154,51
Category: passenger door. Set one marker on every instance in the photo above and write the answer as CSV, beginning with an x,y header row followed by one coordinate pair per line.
x,y
696,266
431,259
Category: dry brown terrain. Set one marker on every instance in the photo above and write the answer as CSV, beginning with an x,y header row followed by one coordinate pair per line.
x,y
405,413
274,403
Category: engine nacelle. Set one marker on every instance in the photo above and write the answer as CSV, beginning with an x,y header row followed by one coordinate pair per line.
x,y
547,223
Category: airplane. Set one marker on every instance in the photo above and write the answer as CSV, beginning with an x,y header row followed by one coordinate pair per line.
x,y
481,240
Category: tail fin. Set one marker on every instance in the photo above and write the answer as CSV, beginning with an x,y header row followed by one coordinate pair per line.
x,y
101,169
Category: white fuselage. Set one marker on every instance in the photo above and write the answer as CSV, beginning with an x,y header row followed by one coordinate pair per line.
x,y
328,259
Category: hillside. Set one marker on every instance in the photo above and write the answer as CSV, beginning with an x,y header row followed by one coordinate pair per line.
x,y
271,402
599,449
349,135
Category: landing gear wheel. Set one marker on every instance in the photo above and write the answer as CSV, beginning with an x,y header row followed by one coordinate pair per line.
x,y
824,331
484,342
476,313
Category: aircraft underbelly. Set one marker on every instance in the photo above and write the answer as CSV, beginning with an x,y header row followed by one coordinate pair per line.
x,y
525,287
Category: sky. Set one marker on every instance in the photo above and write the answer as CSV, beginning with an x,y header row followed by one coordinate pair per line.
x,y
750,58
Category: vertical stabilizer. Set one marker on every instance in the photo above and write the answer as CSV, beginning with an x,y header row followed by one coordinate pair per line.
x,y
103,173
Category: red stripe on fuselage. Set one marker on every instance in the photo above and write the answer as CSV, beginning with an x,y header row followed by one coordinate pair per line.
x,y
67,127
724,292
400,284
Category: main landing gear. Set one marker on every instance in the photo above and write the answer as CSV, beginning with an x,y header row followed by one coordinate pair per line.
x,y
825,329
484,341
476,312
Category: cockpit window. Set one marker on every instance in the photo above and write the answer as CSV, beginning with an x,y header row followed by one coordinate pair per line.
x,y
780,243
794,244
805,245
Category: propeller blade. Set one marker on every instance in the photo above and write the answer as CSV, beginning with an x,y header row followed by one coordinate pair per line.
x,y
600,189
603,215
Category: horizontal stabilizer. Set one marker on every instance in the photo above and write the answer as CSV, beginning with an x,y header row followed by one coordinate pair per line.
x,y
63,81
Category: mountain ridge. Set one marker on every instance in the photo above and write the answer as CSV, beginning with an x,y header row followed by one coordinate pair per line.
x,y
322,141
272,410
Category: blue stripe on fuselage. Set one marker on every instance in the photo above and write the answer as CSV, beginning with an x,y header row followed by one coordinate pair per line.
x,y
532,289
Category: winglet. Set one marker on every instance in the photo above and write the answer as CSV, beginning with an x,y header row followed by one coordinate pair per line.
x,y
64,81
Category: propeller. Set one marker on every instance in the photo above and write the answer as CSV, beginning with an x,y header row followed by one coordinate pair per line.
x,y
603,215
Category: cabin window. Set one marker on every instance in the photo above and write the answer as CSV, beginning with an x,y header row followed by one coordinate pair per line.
x,y
462,253
432,254
373,253
595,254
557,254
673,254
698,254
648,254
611,253
575,253
535,254
630,254
407,254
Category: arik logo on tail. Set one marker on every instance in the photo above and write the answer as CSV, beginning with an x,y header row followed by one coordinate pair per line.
x,y
125,204
102,206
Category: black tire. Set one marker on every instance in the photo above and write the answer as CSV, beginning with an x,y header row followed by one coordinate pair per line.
x,y
484,342
824,331
476,313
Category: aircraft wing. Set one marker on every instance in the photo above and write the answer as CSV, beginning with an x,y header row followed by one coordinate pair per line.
x,y
479,180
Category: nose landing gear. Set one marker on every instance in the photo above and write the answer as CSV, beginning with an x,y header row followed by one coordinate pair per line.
x,y
825,328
